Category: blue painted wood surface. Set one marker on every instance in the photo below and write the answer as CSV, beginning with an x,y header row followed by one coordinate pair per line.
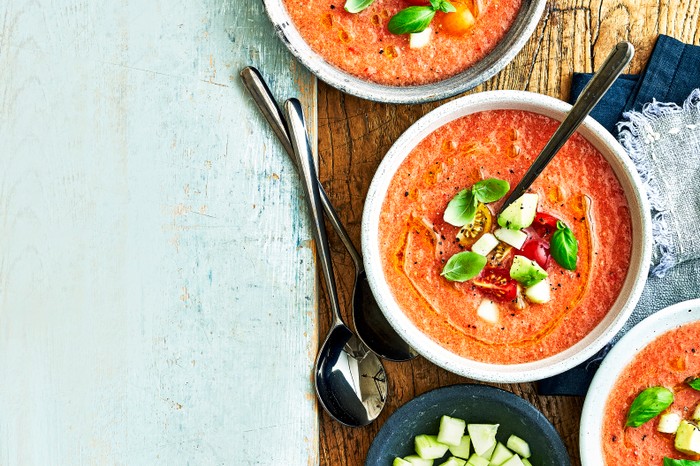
x,y
157,294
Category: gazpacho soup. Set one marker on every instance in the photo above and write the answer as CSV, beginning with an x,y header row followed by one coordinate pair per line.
x,y
512,288
652,412
402,42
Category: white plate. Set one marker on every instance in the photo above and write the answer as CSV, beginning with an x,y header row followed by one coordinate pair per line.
x,y
619,357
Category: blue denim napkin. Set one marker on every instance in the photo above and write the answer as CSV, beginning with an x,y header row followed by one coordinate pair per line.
x,y
671,75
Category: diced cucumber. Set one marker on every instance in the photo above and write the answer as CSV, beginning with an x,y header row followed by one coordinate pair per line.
x,y
539,293
488,453
476,460
500,455
668,423
485,244
513,461
453,461
483,437
416,460
515,238
526,462
451,430
696,413
526,271
428,447
519,446
420,39
462,450
488,310
521,213
401,462
688,438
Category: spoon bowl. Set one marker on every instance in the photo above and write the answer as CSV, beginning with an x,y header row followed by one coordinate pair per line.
x,y
350,379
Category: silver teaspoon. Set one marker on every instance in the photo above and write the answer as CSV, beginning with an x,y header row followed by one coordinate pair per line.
x,y
596,88
350,379
370,323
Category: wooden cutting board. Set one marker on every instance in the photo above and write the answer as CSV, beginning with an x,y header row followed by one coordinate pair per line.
x,y
157,282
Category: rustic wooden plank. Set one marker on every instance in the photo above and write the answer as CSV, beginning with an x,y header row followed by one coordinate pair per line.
x,y
573,35
157,294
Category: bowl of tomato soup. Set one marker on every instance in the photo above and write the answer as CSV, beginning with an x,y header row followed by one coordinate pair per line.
x,y
528,301
658,364
358,53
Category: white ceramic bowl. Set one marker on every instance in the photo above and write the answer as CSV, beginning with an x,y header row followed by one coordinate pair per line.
x,y
639,261
615,362
514,40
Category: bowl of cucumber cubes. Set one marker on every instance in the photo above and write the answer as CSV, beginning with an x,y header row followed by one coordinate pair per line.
x,y
467,425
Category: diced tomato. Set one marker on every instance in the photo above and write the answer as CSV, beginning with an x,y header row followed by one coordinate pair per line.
x,y
536,249
460,21
496,282
545,224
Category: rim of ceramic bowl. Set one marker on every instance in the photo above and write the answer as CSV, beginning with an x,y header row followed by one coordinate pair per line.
x,y
503,53
429,400
632,287
618,358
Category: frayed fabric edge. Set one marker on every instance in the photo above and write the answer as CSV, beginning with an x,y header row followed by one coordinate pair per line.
x,y
632,134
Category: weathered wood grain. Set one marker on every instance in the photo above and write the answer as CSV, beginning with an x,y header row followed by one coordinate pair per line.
x,y
573,35
157,293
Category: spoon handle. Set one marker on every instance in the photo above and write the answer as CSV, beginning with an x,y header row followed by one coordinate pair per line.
x,y
618,59
266,103
307,171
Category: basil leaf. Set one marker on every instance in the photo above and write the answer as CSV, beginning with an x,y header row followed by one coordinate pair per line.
x,y
563,247
490,190
672,462
694,383
356,6
463,266
649,404
442,5
461,209
411,19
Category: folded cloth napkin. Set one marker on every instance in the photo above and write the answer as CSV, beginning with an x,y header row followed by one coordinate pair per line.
x,y
656,117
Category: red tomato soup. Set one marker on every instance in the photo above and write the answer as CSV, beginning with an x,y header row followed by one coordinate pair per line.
x,y
578,187
362,45
667,361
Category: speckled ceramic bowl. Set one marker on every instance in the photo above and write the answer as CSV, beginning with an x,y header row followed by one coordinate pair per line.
x,y
590,435
478,404
523,27
632,286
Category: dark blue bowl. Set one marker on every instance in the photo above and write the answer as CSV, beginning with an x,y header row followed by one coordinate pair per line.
x,y
479,404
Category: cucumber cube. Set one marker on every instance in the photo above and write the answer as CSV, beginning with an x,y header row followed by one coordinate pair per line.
x,y
515,238
669,423
488,453
500,455
415,460
483,437
476,460
400,462
452,461
462,450
519,446
521,213
428,447
525,462
451,430
688,439
513,461
696,413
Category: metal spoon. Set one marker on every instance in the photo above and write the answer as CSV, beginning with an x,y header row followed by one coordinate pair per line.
x,y
350,379
370,323
596,88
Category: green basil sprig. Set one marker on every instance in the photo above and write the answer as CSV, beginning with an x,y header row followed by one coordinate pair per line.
x,y
418,18
694,383
649,404
461,209
356,6
564,247
673,462
490,190
463,266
